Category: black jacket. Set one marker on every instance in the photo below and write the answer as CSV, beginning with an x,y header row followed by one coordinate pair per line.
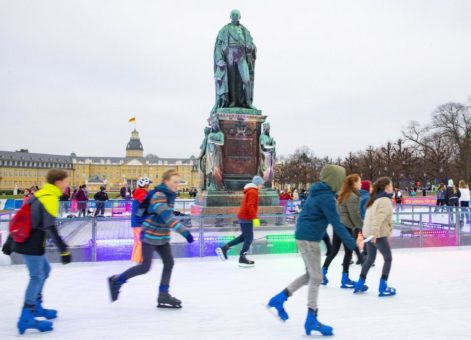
x,y
101,196
451,197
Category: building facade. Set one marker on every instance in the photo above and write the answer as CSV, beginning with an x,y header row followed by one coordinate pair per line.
x,y
22,169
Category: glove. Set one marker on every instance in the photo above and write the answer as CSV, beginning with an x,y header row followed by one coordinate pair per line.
x,y
188,236
66,257
256,222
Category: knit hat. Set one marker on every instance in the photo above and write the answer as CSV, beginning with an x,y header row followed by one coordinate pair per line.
x,y
257,180
333,176
366,185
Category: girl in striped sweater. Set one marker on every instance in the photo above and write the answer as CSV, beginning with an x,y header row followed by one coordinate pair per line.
x,y
155,236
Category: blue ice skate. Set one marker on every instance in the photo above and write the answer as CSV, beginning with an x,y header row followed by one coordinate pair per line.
x,y
277,302
360,286
41,312
346,282
27,321
325,281
384,290
312,324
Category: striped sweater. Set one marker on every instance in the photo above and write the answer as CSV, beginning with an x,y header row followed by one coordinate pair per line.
x,y
160,221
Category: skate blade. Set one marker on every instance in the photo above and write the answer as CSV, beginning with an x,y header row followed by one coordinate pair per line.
x,y
274,312
245,265
164,306
220,254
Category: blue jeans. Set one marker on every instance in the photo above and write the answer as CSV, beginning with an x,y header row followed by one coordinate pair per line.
x,y
39,270
247,236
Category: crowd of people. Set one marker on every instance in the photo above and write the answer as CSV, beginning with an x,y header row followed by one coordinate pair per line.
x,y
359,211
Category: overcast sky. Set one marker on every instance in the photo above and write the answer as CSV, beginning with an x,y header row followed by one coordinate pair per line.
x,y
336,76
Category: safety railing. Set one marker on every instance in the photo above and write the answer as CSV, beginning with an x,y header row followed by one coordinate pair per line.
x,y
111,238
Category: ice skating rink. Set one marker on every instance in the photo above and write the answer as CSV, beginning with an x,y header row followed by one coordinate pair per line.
x,y
223,301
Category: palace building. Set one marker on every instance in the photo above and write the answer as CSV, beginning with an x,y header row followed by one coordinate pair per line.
x,y
22,169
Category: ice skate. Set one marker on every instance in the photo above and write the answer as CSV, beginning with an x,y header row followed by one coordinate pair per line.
x,y
166,300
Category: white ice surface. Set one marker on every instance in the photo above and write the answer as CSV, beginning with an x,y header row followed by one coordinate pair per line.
x,y
223,301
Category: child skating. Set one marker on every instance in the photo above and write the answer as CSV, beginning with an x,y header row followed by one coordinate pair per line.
x,y
41,209
248,220
318,211
376,230
155,236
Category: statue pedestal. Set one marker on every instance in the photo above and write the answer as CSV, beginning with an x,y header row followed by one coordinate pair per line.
x,y
241,128
240,158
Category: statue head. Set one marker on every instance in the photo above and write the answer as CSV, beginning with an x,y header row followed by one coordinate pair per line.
x,y
235,16
266,128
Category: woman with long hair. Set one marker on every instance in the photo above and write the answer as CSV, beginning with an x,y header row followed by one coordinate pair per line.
x,y
464,201
377,228
348,205
452,198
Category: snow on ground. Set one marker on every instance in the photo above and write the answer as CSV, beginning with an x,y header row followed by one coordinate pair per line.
x,y
224,301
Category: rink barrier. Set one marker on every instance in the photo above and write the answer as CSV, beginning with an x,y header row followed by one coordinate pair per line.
x,y
110,238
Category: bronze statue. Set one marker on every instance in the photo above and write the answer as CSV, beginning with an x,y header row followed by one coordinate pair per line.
x,y
234,65
214,170
267,154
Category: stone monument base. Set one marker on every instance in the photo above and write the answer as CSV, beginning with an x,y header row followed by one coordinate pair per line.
x,y
228,202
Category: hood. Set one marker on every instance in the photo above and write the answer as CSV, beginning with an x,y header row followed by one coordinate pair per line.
x,y
49,198
250,186
320,188
163,188
139,194
333,176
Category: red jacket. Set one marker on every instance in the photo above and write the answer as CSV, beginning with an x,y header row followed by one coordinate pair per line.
x,y
249,206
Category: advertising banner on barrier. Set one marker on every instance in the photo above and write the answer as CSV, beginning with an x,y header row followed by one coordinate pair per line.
x,y
427,200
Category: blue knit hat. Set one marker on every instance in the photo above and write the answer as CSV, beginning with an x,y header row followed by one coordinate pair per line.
x,y
257,180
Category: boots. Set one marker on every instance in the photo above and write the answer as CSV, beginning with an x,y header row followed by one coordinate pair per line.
x,y
40,311
312,324
384,290
245,262
165,300
360,286
222,252
27,321
325,281
277,302
346,282
115,282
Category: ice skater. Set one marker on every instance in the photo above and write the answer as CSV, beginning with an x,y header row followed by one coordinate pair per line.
x,y
318,211
248,220
155,236
378,227
41,209
348,206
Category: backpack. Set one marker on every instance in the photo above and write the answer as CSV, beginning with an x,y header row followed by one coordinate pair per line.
x,y
20,224
144,205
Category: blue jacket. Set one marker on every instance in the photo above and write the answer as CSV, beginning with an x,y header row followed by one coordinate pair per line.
x,y
160,219
364,197
318,212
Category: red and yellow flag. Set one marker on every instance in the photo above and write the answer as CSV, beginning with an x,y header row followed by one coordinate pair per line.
x,y
132,119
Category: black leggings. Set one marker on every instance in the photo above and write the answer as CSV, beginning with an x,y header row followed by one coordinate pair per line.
x,y
328,244
336,243
165,252
247,237
382,244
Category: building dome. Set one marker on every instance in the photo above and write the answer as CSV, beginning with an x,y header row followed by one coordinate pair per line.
x,y
134,149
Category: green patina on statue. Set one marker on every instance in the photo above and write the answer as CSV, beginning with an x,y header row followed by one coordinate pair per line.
x,y
234,65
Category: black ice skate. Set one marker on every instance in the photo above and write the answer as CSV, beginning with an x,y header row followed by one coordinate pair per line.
x,y
166,300
114,285
245,262
222,252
